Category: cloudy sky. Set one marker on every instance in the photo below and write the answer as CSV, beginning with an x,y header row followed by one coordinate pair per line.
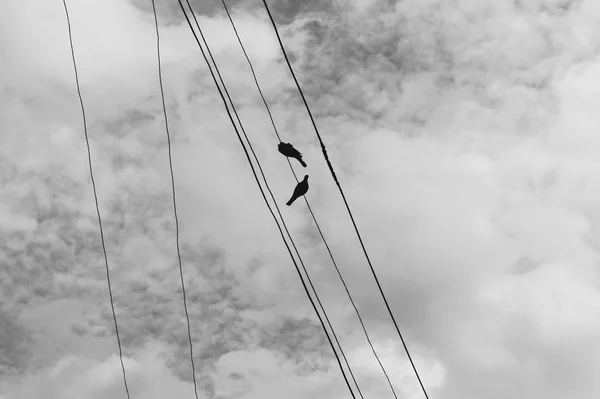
x,y
465,135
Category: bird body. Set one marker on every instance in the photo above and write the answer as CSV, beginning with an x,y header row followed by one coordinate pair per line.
x,y
289,151
299,191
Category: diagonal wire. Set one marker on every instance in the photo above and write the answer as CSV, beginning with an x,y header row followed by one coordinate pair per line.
x,y
162,95
265,198
275,202
324,150
87,141
308,204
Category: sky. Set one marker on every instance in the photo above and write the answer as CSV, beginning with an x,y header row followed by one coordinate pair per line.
x,y
463,133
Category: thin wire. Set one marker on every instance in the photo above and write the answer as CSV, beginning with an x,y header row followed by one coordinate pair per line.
x,y
324,150
275,202
308,204
265,198
162,95
253,74
87,141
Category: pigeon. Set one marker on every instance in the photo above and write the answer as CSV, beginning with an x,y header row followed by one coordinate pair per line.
x,y
289,151
299,191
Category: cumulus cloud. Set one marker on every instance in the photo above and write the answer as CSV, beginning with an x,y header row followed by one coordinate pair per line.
x,y
464,138
77,377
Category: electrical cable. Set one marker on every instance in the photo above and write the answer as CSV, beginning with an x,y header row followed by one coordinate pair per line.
x,y
87,141
162,95
307,203
264,196
275,202
324,150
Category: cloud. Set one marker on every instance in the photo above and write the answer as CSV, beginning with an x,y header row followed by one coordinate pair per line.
x,y
463,136
76,377
446,198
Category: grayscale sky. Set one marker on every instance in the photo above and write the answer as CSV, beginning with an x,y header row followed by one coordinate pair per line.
x,y
465,135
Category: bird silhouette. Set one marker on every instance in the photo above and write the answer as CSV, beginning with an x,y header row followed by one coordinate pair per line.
x,y
289,151
299,191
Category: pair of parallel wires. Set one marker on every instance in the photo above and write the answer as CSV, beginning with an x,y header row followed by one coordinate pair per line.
x,y
325,155
258,182
85,130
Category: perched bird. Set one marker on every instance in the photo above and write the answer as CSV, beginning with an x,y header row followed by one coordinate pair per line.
x,y
299,191
289,151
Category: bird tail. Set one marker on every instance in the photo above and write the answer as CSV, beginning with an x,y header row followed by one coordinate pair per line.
x,y
302,162
291,201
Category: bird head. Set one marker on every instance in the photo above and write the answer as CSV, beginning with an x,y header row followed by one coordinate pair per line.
x,y
305,177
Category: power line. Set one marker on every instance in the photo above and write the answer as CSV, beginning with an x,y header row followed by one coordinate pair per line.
x,y
324,150
307,203
87,141
263,194
275,202
162,95
255,79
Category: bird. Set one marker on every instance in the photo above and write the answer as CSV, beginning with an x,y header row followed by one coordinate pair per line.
x,y
289,151
299,191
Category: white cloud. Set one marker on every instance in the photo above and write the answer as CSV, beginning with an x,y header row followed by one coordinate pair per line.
x,y
463,135
76,377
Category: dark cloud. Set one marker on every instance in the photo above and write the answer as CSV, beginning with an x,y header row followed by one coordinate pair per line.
x,y
15,345
284,11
